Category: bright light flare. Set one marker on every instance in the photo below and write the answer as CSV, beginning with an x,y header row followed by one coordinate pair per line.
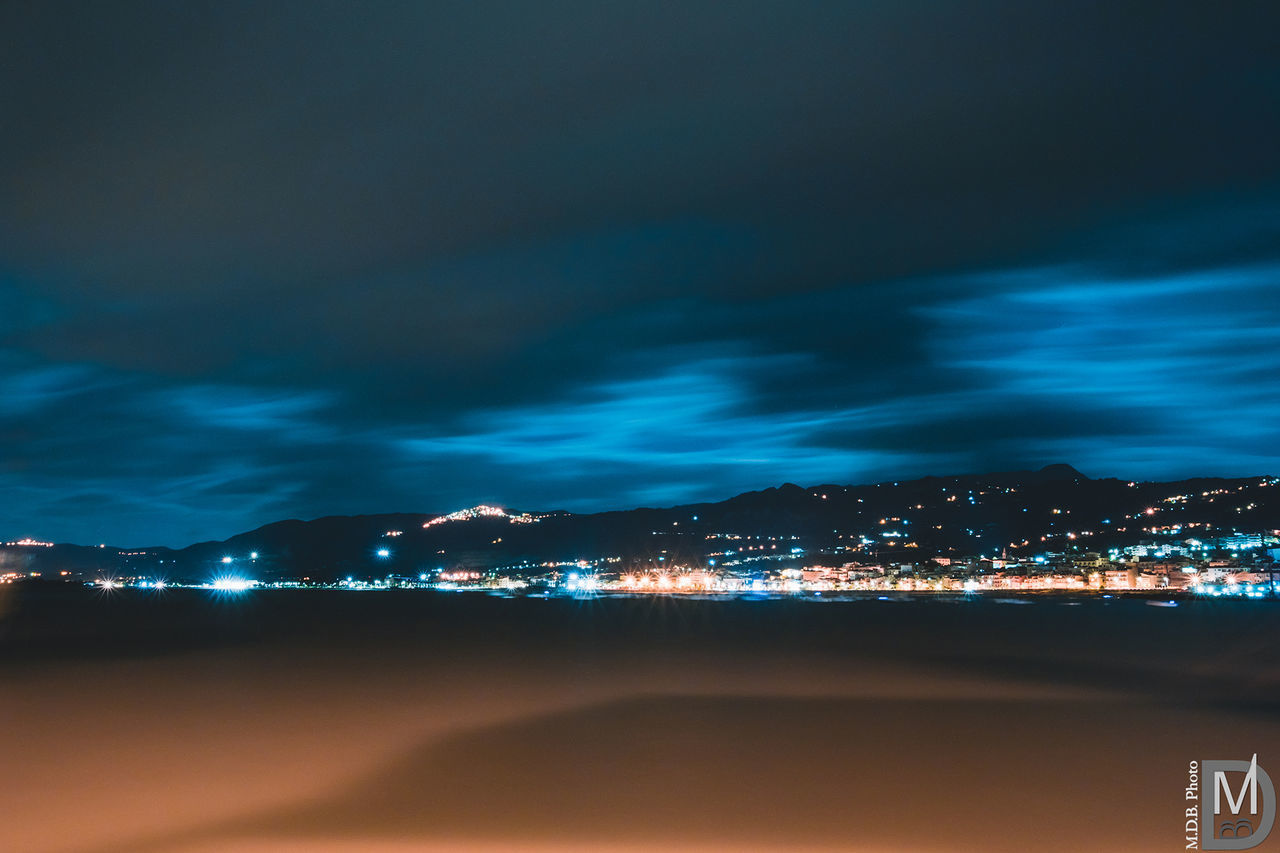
x,y
232,584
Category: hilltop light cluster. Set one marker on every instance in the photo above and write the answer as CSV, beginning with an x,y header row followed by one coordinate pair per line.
x,y
483,511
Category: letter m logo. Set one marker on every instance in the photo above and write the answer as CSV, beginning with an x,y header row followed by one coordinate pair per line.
x,y
1237,834
1220,789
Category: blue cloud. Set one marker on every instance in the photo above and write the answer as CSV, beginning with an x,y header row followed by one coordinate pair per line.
x,y
581,257
1187,359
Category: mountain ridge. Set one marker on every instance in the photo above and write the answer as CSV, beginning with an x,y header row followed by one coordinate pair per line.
x,y
955,515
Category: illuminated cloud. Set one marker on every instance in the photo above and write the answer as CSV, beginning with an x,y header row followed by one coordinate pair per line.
x,y
423,257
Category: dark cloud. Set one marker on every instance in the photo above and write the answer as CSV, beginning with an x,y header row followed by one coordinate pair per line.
x,y
310,258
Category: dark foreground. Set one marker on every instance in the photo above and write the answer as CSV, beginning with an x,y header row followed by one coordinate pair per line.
x,y
332,721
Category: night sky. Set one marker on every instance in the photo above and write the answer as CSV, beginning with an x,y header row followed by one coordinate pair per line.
x,y
261,261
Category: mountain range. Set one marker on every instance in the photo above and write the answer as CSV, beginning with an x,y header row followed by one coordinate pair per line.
x,y
1015,513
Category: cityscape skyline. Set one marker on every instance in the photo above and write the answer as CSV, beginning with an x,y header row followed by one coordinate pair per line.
x,y
935,530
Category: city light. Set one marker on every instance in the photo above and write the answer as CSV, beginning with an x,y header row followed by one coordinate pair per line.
x,y
1218,561
483,511
232,584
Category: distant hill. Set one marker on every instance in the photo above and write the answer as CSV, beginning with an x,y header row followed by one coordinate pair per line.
x,y
1055,508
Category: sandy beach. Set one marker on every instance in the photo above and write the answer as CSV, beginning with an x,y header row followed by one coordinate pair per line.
x,y
332,722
